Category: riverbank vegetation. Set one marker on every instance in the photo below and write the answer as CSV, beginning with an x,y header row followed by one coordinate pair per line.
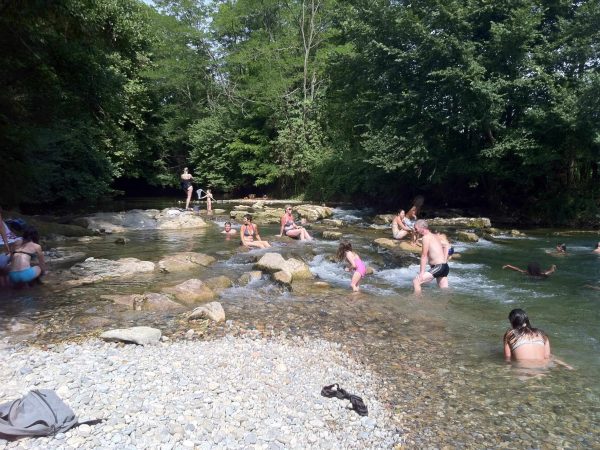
x,y
493,104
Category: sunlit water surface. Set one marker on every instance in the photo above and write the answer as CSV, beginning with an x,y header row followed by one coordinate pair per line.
x,y
441,355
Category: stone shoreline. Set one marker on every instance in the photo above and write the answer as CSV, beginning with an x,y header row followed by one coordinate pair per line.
x,y
227,393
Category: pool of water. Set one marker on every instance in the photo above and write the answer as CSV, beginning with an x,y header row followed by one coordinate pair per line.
x,y
441,354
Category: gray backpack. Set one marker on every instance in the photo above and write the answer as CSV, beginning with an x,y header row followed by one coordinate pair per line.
x,y
38,413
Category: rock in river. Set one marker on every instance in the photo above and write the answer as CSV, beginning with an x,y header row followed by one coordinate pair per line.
x,y
137,335
466,236
213,311
332,235
183,261
191,292
96,269
393,244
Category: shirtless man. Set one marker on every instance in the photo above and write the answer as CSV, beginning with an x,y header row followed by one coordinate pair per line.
x,y
435,251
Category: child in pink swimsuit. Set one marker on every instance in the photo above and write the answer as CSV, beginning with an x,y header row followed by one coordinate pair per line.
x,y
360,270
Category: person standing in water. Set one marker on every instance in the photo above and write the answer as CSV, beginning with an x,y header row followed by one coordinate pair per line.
x,y
435,252
360,270
186,185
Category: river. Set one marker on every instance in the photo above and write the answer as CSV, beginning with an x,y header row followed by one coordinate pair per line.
x,y
441,354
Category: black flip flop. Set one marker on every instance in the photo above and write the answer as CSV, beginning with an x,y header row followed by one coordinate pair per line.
x,y
358,404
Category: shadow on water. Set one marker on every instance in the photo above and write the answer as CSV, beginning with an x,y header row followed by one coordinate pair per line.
x,y
439,355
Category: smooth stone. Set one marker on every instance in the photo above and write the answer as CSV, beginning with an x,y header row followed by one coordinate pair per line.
x,y
332,235
185,261
249,277
466,236
137,335
213,311
460,222
218,284
191,292
393,244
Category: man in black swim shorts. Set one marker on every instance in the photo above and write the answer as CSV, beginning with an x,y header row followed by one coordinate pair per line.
x,y
434,251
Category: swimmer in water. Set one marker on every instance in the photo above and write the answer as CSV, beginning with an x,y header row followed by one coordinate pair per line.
x,y
345,252
533,270
597,249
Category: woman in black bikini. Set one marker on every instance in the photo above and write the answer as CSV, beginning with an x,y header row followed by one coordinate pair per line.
x,y
186,185
249,234
21,270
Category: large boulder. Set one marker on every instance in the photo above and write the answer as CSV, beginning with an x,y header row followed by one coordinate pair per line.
x,y
191,292
283,278
460,222
185,261
213,311
96,269
137,335
466,236
271,262
393,244
298,269
173,219
312,213
105,222
383,219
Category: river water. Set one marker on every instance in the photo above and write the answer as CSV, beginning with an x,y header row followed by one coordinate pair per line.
x,y
440,355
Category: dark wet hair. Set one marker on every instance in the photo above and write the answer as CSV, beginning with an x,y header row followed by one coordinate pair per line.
x,y
519,321
563,247
228,223
344,247
534,270
31,235
249,217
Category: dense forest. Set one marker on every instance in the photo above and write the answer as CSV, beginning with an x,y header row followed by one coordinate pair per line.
x,y
471,102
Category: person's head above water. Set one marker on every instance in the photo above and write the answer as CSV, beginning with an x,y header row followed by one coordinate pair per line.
x,y
562,248
534,269
228,225
518,319
344,247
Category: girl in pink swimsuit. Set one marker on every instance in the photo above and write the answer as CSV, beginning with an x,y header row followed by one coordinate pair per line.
x,y
345,253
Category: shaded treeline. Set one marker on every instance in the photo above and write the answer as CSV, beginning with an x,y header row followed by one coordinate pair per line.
x,y
472,102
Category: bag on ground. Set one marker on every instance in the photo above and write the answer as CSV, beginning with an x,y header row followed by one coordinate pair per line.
x,y
38,413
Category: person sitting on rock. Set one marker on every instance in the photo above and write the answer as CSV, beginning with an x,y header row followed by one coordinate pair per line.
x,y
533,270
21,270
399,229
249,234
410,220
289,227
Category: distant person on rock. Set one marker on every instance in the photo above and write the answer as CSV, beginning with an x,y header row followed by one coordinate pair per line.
x,y
186,185
289,227
435,252
249,234
399,229
345,252
410,220
533,270
21,270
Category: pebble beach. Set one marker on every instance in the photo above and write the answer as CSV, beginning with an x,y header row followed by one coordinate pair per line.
x,y
227,393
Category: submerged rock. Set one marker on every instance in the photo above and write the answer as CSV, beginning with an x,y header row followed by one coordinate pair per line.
x,y
137,335
213,311
185,261
283,278
332,235
333,222
249,277
62,255
218,284
149,301
191,292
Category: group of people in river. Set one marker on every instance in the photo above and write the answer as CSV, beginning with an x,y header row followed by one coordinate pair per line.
x,y
17,253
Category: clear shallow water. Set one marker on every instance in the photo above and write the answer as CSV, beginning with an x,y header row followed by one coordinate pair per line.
x,y
441,354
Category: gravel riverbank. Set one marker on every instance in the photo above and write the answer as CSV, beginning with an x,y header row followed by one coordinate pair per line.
x,y
228,393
